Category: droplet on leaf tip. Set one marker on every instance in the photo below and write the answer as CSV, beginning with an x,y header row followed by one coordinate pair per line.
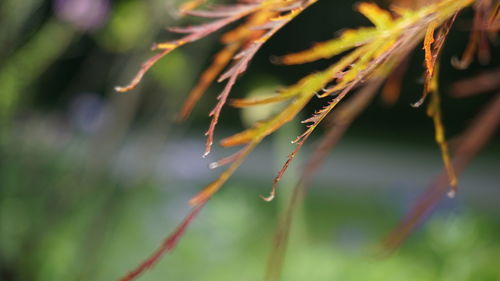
x,y
417,104
267,199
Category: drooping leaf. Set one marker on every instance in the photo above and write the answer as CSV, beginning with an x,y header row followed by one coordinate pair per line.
x,y
349,82
471,142
288,11
373,53
433,48
336,128
231,14
234,40
434,111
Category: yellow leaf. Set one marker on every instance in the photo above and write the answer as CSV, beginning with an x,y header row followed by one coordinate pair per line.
x,y
381,18
347,40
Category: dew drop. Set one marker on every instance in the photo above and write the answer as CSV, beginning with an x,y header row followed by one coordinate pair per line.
x,y
452,194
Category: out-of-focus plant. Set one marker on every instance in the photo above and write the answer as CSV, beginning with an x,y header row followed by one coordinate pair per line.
x,y
25,64
367,57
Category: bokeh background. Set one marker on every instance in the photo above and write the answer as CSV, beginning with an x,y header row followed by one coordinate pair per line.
x,y
91,181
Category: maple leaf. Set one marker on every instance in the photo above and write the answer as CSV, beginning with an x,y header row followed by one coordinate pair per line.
x,y
368,58
386,44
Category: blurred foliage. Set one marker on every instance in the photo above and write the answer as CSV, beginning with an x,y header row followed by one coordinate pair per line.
x,y
127,27
97,231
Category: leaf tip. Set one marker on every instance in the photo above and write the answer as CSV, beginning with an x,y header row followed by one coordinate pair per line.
x,y
268,198
418,103
120,89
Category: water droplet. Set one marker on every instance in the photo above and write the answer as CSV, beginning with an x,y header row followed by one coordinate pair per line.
x,y
452,193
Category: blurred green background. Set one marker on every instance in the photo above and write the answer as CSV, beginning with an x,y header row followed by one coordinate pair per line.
x,y
91,181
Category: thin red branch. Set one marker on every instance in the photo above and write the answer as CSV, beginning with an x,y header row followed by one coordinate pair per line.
x,y
167,246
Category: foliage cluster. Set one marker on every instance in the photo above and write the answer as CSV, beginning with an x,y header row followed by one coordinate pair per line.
x,y
368,57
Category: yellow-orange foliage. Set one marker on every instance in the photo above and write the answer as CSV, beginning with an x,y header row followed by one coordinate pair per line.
x,y
370,55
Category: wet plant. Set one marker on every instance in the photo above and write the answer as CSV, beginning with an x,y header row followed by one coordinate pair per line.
x,y
365,59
